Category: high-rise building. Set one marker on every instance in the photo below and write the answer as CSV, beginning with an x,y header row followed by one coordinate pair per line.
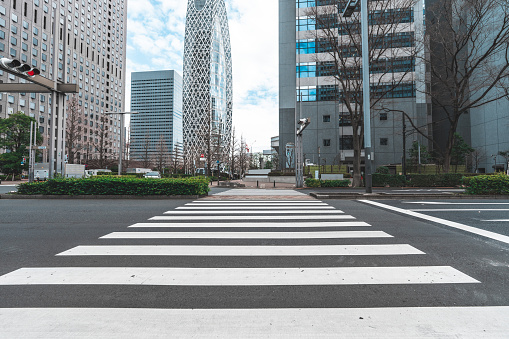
x,y
308,87
90,43
207,80
157,128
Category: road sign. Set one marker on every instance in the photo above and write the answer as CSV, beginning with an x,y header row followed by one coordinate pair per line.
x,y
41,147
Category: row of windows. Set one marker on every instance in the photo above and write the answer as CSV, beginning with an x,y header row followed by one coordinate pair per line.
x,y
346,142
332,93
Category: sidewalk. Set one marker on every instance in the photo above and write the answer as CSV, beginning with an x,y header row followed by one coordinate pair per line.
x,y
263,185
13,183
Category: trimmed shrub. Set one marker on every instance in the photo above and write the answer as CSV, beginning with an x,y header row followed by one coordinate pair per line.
x,y
488,184
382,170
108,185
310,182
334,183
382,180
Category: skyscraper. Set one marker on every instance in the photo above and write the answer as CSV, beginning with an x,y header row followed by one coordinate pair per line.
x,y
89,41
157,129
207,119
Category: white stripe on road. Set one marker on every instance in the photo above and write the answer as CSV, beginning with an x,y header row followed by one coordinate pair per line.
x,y
383,322
258,204
455,203
253,207
255,224
257,212
260,192
498,220
459,209
158,276
170,250
487,234
252,202
247,235
253,217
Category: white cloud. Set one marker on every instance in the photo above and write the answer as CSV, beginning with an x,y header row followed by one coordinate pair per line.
x,y
156,41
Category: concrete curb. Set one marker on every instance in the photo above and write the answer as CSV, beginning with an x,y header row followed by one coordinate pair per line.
x,y
131,197
399,196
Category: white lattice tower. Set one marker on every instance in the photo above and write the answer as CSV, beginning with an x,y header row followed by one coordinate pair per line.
x,y
207,102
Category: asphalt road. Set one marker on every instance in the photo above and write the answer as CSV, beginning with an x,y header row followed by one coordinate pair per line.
x,y
49,234
7,188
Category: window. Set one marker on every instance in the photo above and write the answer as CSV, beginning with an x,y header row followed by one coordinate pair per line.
x,y
383,116
326,118
384,141
326,142
346,142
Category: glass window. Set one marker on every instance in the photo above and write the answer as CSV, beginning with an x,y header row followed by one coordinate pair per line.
x,y
326,142
384,141
14,41
2,35
326,118
14,29
383,116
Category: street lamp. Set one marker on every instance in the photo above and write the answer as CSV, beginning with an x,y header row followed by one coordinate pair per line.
x,y
352,4
121,137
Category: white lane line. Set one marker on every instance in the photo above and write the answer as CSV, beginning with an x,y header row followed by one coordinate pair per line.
x,y
195,208
254,224
259,192
487,234
257,212
498,220
459,209
383,322
235,276
247,235
170,250
252,217
455,203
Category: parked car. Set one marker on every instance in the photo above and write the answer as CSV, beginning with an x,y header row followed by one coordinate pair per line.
x,y
152,175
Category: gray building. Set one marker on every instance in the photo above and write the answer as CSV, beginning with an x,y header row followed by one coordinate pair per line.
x,y
305,90
208,92
90,49
157,129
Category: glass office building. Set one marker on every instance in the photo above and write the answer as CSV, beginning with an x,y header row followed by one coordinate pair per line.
x,y
207,120
157,128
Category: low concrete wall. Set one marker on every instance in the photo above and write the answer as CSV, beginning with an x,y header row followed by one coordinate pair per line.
x,y
259,171
332,176
281,179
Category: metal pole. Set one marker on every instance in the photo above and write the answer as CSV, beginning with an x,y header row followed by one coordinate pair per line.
x,y
30,154
121,143
366,96
403,162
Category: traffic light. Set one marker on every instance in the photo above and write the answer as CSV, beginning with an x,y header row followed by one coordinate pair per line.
x,y
202,155
18,67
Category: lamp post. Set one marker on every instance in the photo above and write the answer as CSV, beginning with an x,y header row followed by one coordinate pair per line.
x,y
121,150
349,9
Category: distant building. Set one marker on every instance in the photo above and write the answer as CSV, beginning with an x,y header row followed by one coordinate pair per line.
x,y
157,97
207,80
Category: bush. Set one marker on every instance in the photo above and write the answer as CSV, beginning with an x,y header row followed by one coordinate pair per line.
x,y
488,184
310,182
382,180
382,170
108,185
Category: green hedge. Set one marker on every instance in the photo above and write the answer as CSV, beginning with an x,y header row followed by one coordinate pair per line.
x,y
106,185
310,182
487,184
435,180
382,180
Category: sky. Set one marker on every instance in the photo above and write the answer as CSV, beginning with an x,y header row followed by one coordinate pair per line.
x,y
155,41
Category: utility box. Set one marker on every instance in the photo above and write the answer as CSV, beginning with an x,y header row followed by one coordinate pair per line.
x,y
41,171
74,171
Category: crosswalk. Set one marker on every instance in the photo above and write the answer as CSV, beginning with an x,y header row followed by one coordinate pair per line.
x,y
268,230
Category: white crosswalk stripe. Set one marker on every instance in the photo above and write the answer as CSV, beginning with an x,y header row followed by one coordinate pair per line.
x,y
219,230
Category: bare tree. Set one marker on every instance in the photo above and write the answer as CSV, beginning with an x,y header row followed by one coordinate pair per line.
x,y
468,60
338,55
476,158
161,154
146,156
73,128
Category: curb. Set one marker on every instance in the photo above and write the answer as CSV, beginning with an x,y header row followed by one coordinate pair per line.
x,y
390,196
132,197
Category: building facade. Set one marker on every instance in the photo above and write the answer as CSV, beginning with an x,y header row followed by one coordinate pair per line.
x,y
207,119
307,88
89,47
157,128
